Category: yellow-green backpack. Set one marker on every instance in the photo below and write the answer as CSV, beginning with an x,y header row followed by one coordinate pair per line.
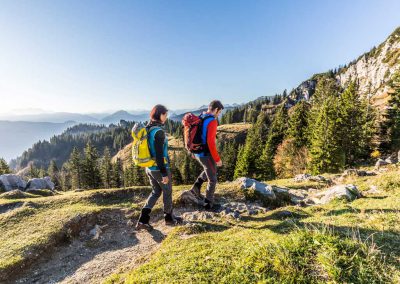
x,y
140,147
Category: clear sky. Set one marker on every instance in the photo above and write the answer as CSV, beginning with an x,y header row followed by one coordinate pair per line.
x,y
94,56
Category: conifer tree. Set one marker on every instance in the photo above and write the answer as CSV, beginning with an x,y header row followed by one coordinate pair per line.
x,y
391,125
65,178
246,164
75,168
229,154
33,171
117,174
176,173
4,168
54,175
298,123
186,169
106,168
325,150
354,125
91,172
275,137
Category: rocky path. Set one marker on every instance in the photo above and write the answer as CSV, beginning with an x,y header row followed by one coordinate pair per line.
x,y
109,247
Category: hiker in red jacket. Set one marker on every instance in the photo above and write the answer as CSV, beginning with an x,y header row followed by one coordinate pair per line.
x,y
209,158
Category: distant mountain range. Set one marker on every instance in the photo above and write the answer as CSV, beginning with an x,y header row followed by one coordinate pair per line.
x,y
17,136
97,118
21,131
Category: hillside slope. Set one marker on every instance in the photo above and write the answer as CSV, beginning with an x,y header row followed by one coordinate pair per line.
x,y
87,239
235,131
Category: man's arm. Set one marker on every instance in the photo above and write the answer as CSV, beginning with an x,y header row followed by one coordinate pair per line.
x,y
211,137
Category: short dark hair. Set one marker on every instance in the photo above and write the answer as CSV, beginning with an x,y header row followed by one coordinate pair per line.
x,y
157,111
215,104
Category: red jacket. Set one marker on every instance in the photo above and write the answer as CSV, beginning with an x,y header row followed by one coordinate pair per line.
x,y
211,137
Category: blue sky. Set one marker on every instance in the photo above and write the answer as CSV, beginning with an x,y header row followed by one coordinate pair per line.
x,y
94,56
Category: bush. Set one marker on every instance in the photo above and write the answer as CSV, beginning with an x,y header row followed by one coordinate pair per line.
x,y
375,154
290,160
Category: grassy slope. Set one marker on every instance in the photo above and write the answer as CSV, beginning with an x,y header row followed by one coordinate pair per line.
x,y
34,226
232,131
317,244
338,242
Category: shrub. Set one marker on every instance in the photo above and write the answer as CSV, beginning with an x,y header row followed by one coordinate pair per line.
x,y
290,160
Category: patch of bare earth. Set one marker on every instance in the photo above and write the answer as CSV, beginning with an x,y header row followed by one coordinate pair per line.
x,y
96,252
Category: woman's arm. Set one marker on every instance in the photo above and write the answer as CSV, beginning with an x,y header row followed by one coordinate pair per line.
x,y
159,140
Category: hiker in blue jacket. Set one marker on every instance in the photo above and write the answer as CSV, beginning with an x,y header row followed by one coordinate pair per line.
x,y
160,174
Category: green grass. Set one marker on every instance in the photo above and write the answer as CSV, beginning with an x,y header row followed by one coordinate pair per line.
x,y
339,242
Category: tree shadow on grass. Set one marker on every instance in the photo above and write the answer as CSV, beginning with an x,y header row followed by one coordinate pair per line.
x,y
356,210
386,240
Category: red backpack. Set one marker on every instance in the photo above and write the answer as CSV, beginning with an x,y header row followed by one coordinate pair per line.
x,y
192,131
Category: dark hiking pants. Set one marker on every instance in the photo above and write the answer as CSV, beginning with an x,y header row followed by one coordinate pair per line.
x,y
209,174
159,188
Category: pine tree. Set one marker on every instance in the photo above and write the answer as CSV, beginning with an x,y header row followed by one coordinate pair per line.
x,y
246,164
354,125
65,178
176,174
91,172
106,168
117,174
391,125
275,137
33,171
185,169
139,176
75,169
298,123
325,150
4,168
229,155
53,173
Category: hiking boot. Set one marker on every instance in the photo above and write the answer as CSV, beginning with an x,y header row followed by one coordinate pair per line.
x,y
143,226
196,192
171,220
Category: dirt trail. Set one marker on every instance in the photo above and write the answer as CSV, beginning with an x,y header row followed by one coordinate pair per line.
x,y
88,259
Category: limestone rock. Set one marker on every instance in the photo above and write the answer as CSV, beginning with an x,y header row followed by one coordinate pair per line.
x,y
40,183
10,182
347,191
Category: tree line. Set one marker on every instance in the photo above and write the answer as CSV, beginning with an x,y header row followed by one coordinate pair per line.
x,y
335,129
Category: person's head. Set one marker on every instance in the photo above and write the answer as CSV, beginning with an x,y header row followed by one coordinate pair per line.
x,y
215,108
159,113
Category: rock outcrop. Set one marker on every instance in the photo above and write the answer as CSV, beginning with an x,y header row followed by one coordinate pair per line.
x,y
39,183
10,182
343,191
374,69
270,195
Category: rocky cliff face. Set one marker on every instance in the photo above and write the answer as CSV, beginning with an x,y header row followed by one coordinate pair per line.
x,y
374,69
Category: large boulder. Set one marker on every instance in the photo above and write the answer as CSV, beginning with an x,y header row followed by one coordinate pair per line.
x,y
10,182
40,183
270,195
343,191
